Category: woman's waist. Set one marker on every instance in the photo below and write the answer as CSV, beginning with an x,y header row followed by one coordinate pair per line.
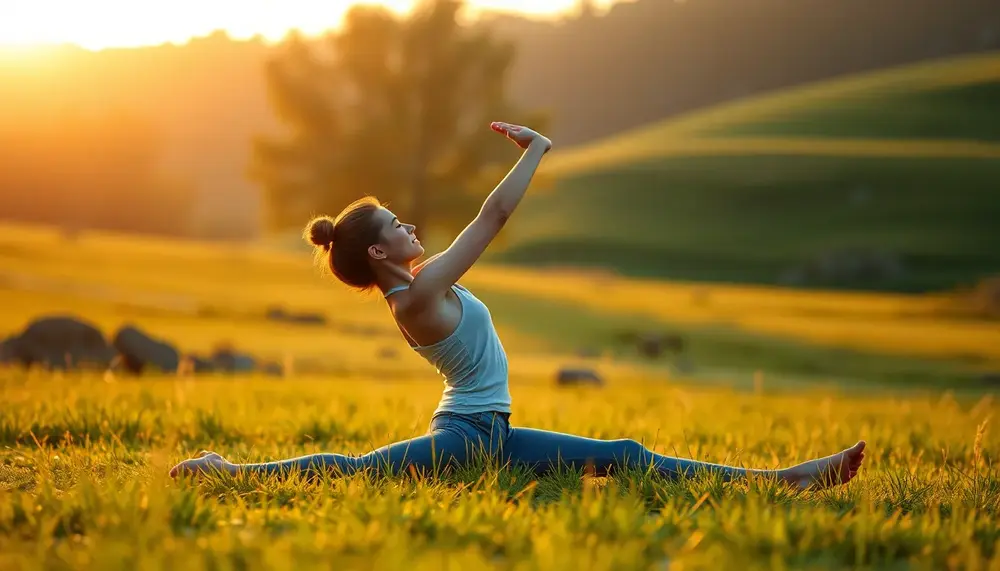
x,y
461,363
483,422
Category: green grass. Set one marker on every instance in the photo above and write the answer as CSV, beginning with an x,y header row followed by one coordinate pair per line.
x,y
902,161
84,461
964,112
749,219
84,457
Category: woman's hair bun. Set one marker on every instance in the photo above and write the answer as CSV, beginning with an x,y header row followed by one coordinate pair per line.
x,y
321,232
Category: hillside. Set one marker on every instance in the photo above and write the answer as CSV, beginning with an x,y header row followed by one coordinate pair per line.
x,y
756,192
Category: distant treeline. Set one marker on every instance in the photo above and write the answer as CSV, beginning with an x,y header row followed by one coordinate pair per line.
x,y
158,139
651,59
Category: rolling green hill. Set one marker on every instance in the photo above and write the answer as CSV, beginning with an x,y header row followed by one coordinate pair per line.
x,y
885,181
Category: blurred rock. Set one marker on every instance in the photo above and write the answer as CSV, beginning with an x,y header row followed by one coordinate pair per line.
x,y
653,344
140,352
228,360
578,376
845,266
7,350
387,353
277,313
196,364
273,369
58,342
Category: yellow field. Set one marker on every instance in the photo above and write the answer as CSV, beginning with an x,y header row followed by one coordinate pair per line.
x,y
171,285
84,456
924,325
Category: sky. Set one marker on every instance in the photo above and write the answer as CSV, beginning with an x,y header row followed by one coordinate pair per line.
x,y
98,24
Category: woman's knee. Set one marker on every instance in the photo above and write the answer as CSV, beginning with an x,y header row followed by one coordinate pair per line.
x,y
426,454
629,450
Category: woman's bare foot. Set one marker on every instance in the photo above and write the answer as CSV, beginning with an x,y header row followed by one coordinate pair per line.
x,y
829,471
206,462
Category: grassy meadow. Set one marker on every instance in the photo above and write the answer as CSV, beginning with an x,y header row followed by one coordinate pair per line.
x,y
722,202
84,465
85,455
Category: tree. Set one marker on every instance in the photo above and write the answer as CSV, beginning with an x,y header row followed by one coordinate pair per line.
x,y
393,106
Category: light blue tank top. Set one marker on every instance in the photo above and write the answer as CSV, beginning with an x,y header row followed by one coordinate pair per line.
x,y
471,359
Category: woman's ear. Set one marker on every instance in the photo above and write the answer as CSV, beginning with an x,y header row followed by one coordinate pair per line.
x,y
376,252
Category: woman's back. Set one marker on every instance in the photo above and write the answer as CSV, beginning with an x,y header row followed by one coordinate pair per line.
x,y
471,358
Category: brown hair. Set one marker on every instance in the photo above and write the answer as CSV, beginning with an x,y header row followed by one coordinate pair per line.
x,y
344,241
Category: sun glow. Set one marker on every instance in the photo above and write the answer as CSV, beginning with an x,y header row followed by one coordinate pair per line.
x,y
99,24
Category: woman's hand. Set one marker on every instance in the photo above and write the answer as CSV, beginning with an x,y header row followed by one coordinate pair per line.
x,y
523,136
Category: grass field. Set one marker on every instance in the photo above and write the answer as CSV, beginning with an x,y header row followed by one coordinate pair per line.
x,y
901,162
768,377
84,456
83,470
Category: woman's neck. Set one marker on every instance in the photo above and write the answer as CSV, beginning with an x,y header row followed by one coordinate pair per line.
x,y
392,276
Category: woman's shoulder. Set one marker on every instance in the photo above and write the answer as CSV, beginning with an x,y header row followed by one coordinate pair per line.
x,y
402,305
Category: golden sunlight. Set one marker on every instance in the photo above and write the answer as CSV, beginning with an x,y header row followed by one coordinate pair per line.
x,y
99,24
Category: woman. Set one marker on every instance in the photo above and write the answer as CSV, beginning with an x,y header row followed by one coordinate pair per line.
x,y
367,247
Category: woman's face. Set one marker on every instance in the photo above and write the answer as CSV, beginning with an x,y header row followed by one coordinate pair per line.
x,y
397,240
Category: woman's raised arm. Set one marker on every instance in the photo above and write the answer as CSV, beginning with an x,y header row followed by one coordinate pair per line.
x,y
441,272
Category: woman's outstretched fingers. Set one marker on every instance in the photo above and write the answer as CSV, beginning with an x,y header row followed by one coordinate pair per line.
x,y
505,128
522,136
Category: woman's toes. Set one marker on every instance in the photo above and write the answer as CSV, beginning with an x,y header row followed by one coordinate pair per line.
x,y
178,470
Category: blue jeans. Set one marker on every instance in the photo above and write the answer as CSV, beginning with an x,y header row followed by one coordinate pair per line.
x,y
454,439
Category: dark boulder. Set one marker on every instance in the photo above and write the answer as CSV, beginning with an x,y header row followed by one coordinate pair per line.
x,y
58,342
581,376
141,352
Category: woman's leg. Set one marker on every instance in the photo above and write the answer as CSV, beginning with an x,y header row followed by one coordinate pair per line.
x,y
542,450
427,454
444,444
